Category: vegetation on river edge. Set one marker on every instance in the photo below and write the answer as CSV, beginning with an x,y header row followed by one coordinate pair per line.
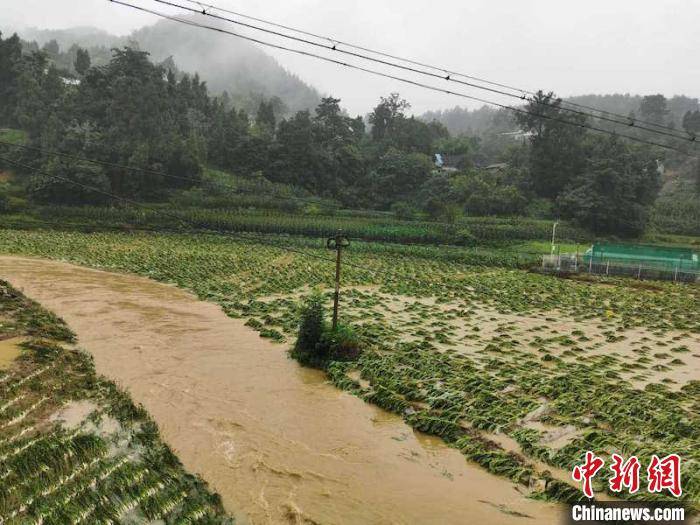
x,y
107,465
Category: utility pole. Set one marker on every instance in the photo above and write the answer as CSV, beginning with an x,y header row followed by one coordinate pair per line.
x,y
554,233
337,243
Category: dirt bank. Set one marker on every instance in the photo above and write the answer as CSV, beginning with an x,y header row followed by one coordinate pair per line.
x,y
278,443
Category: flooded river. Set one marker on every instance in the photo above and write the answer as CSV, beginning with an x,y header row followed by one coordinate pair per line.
x,y
275,440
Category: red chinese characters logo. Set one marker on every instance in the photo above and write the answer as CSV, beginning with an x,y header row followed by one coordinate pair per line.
x,y
662,474
625,474
587,471
665,474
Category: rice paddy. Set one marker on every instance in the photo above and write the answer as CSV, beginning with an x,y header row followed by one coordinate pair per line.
x,y
73,447
521,372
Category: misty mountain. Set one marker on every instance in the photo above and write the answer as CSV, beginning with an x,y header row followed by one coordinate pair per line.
x,y
226,63
459,120
86,37
465,121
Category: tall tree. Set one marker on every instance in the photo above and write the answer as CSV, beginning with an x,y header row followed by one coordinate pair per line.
x,y
10,63
654,108
82,61
386,115
398,176
294,154
265,117
556,154
691,122
330,123
142,114
51,48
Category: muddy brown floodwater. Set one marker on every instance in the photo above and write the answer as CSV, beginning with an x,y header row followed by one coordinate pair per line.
x,y
275,440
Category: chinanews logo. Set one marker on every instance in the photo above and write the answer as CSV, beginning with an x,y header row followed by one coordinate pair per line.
x,y
661,474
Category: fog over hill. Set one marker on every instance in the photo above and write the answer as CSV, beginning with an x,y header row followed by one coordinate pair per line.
x,y
461,120
248,73
238,67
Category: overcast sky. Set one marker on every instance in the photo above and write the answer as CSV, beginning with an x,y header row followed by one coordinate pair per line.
x,y
600,46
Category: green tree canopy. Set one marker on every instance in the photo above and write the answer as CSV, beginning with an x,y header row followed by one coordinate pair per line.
x,y
82,61
654,108
69,182
556,155
616,189
691,122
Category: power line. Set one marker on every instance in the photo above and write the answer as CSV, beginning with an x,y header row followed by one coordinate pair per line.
x,y
417,63
324,58
443,75
402,79
121,166
99,226
182,220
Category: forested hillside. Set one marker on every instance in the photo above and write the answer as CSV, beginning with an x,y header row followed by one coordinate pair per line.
x,y
133,113
228,65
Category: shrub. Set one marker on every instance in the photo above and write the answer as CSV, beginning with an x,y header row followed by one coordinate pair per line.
x,y
540,208
312,210
342,344
57,183
442,212
404,211
307,348
464,237
317,343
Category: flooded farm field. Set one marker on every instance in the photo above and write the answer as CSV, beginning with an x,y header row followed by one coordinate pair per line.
x,y
278,442
514,374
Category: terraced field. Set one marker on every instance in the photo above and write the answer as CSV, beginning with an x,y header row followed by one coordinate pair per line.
x,y
73,447
521,372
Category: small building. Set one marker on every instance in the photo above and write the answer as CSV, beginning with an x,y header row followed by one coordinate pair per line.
x,y
639,260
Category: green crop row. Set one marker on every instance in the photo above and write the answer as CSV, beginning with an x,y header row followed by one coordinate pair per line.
x,y
466,232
